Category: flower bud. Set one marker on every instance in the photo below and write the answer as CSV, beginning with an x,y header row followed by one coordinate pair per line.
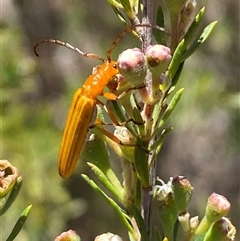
x,y
182,191
8,177
194,222
70,235
221,230
184,220
132,65
123,134
217,207
158,57
108,237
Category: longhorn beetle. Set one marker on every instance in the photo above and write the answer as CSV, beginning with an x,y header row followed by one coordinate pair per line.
x,y
82,113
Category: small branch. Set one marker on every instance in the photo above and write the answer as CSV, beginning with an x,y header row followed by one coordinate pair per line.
x,y
146,41
147,19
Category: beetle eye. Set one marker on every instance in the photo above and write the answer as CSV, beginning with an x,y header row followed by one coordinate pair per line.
x,y
115,66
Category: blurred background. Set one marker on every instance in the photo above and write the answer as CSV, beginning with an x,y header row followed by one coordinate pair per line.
x,y
36,93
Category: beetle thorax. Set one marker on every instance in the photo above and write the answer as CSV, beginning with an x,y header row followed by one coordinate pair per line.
x,y
95,83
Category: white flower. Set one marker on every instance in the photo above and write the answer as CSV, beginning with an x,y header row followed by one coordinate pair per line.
x,y
161,191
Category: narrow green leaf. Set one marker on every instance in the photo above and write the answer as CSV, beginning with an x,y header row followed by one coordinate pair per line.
x,y
19,224
194,27
115,3
156,234
138,194
139,122
123,151
129,105
135,6
96,152
117,110
177,74
199,41
170,107
128,102
141,166
156,147
140,223
12,196
137,116
119,113
114,187
160,36
128,8
174,65
121,214
119,14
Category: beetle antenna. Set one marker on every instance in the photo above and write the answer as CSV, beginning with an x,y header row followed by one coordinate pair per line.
x,y
67,45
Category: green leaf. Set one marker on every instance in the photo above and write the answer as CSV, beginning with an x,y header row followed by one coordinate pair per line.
x,y
194,27
141,165
137,116
177,74
129,104
199,41
156,147
160,36
117,110
19,224
120,213
135,6
128,8
156,234
176,60
96,152
170,108
140,223
112,183
12,196
119,14
115,3
119,113
121,150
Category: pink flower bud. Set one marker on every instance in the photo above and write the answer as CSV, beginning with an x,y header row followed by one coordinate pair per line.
x,y
217,206
158,57
132,65
70,235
